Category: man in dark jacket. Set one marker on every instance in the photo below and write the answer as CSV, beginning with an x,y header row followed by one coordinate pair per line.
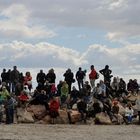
x,y
4,76
14,75
79,77
106,72
50,77
40,78
69,78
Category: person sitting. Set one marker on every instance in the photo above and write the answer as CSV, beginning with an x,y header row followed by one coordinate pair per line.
x,y
115,110
82,108
122,88
138,107
9,109
64,93
73,96
129,112
85,93
40,99
96,107
4,93
23,98
53,108
114,87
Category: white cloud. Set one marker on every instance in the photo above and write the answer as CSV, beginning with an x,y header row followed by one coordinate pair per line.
x,y
39,55
123,61
117,17
117,4
29,19
16,24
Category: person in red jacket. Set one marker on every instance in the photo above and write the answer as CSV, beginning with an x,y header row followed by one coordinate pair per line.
x,y
92,76
28,80
54,107
23,98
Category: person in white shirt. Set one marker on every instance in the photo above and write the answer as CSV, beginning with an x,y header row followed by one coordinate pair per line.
x,y
129,112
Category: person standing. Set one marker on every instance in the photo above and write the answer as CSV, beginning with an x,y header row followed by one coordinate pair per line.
x,y
51,76
40,78
28,80
79,77
4,76
92,76
106,72
14,77
69,78
64,93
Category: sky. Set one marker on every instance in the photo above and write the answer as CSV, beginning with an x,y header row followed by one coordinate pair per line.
x,y
63,34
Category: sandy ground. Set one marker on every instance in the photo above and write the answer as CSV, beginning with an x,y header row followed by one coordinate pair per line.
x,y
69,132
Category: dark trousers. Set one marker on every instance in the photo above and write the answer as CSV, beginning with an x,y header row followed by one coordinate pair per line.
x,y
80,84
83,115
9,115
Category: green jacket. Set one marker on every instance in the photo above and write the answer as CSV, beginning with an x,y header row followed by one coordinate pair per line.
x,y
64,90
4,93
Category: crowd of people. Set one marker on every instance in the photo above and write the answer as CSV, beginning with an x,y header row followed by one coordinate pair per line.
x,y
16,90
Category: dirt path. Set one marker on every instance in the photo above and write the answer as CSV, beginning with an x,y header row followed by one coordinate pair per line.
x,y
69,132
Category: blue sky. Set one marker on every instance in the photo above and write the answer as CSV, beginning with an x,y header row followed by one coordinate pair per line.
x,y
69,33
